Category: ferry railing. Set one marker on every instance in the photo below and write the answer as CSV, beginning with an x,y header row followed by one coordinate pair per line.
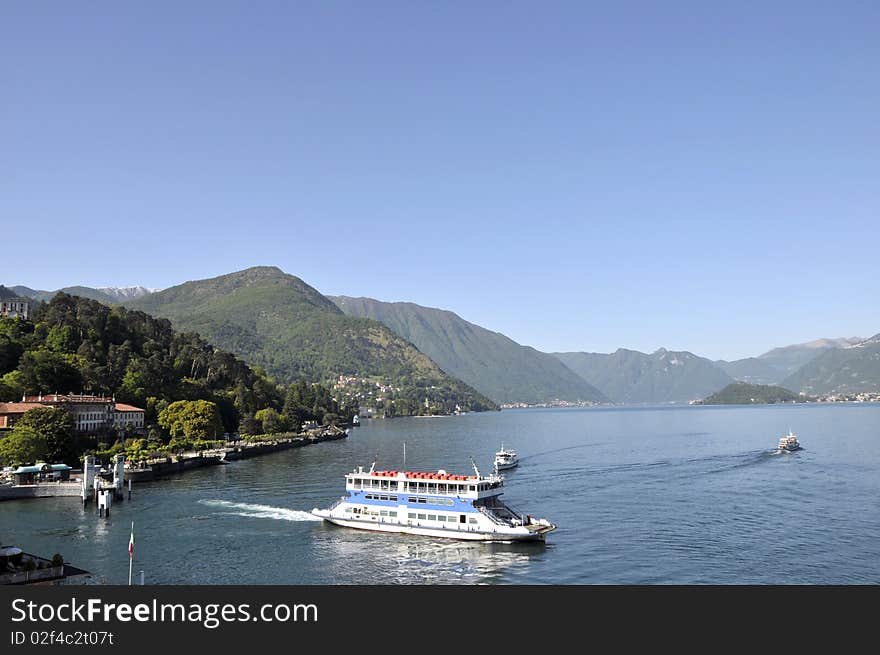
x,y
497,520
341,500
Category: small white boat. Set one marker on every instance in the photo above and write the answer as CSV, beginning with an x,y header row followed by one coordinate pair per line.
x,y
505,459
789,443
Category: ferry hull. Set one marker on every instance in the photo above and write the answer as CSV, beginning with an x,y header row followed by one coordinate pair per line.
x,y
529,533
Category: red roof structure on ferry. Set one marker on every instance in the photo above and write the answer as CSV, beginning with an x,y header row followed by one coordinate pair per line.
x,y
423,475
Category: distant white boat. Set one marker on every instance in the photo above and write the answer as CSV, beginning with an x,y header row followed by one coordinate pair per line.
x,y
789,443
505,459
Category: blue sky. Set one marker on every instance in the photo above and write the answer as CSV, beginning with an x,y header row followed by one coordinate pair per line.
x,y
578,176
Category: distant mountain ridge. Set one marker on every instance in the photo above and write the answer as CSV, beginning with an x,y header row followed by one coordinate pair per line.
x,y
122,294
848,369
751,370
112,295
788,359
490,362
277,321
8,294
629,376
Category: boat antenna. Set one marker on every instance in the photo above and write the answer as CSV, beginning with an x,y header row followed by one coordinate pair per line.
x,y
372,467
476,470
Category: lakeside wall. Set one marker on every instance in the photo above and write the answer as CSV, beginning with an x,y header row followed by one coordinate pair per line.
x,y
45,490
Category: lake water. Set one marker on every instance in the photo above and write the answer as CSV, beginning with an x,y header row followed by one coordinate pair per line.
x,y
672,495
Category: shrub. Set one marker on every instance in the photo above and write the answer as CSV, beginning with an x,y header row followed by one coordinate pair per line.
x,y
57,560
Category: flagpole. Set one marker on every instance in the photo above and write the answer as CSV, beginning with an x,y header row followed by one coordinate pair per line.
x,y
130,553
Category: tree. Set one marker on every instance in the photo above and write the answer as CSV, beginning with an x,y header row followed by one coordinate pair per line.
x,y
11,387
249,425
270,420
197,419
62,339
46,371
10,352
55,427
23,445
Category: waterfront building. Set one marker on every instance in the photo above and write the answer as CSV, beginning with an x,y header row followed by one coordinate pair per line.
x,y
128,416
90,413
10,413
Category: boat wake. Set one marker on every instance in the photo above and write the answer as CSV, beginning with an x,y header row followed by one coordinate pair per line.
x,y
260,511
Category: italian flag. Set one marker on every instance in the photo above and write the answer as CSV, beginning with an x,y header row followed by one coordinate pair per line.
x,y
131,542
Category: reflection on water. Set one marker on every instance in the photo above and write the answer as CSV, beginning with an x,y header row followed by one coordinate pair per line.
x,y
410,559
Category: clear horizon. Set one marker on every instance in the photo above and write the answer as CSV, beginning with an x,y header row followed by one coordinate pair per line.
x,y
577,178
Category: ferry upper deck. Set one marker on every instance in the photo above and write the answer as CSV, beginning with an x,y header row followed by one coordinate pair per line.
x,y
439,483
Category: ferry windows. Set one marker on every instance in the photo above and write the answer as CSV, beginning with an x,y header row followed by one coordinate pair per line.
x,y
392,514
432,517
462,518
411,515
449,501
473,487
383,512
432,501
472,520
441,518
413,499
422,517
383,497
392,498
422,501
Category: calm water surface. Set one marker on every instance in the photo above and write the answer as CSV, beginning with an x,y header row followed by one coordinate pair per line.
x,y
683,495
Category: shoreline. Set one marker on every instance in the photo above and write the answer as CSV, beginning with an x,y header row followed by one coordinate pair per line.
x,y
172,466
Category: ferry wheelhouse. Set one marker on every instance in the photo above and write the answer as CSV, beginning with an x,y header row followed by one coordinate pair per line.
x,y
435,504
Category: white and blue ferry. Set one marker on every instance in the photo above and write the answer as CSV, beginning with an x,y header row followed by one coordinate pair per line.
x,y
434,504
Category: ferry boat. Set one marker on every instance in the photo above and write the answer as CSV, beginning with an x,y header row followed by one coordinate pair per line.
x,y
505,459
433,504
789,443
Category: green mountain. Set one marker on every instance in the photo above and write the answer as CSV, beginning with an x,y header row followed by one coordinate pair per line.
x,y
742,393
629,376
490,362
852,368
752,370
789,359
279,322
